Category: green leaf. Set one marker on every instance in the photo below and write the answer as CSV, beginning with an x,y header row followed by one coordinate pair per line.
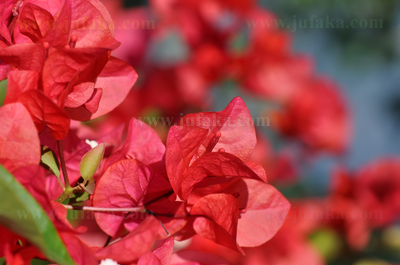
x,y
91,161
20,213
3,91
50,161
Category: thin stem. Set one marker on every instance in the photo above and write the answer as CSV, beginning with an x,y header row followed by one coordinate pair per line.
x,y
153,214
101,209
165,195
63,166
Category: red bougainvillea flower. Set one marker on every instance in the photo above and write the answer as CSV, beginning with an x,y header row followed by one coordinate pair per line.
x,y
268,67
140,162
211,183
375,188
207,156
287,247
60,56
359,202
316,115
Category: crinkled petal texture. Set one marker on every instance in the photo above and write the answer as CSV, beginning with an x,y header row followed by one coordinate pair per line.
x,y
24,56
115,72
45,112
217,218
265,211
5,14
88,20
124,184
134,245
35,21
93,25
213,165
78,250
17,135
159,256
72,43
18,82
238,136
72,66
182,144
143,144
192,147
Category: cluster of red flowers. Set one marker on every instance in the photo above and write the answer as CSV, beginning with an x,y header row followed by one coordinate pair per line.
x,y
201,183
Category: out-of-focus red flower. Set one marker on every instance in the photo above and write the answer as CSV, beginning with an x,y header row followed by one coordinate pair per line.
x,y
285,248
374,187
377,191
279,166
316,115
365,199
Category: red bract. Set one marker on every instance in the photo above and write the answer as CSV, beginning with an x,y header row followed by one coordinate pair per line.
x,y
195,173
190,158
214,165
71,53
44,112
143,144
192,257
123,185
25,56
160,255
260,203
134,245
78,250
219,224
19,82
18,134
235,125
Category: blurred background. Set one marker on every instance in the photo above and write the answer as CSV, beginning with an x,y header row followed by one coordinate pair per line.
x,y
331,97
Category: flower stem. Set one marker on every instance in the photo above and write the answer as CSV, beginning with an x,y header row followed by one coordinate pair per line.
x,y
63,165
100,209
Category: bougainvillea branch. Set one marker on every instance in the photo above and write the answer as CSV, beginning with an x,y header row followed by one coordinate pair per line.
x,y
63,165
99,209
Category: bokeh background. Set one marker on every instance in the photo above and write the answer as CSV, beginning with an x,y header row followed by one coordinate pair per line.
x,y
362,63
330,144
